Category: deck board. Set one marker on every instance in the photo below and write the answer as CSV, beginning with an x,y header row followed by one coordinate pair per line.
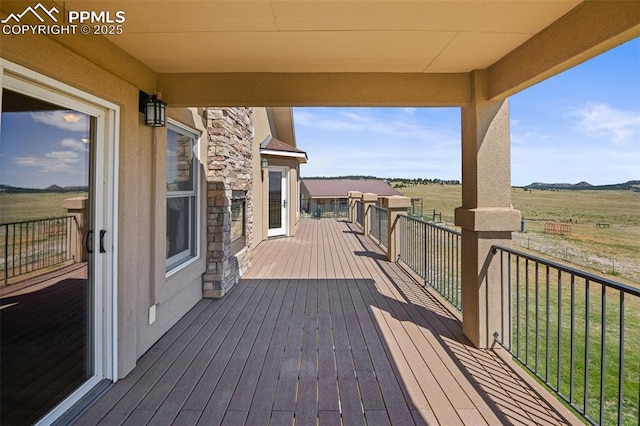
x,y
321,330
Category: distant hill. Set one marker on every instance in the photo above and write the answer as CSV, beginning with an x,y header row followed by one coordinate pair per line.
x,y
348,177
7,189
633,185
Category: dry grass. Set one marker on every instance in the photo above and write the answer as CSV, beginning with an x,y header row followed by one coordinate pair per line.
x,y
23,207
613,251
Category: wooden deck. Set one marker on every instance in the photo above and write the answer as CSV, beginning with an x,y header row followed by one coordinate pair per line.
x,y
322,330
42,335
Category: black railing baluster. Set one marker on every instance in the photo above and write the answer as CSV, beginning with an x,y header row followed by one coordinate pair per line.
x,y
572,338
537,316
510,303
559,370
586,348
548,332
621,360
502,295
603,344
526,309
518,305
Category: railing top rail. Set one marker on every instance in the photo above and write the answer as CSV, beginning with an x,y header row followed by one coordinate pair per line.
x,y
379,208
35,220
434,225
583,274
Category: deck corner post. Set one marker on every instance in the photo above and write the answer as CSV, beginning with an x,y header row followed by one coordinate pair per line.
x,y
396,205
354,196
368,199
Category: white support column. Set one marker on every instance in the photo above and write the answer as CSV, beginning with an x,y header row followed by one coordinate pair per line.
x,y
486,215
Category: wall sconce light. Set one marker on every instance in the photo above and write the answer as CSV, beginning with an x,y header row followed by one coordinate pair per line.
x,y
154,110
265,163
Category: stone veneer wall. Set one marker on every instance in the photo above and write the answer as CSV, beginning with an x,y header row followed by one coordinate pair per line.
x,y
229,160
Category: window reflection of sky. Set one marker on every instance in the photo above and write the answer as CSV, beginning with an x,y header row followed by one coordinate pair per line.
x,y
43,148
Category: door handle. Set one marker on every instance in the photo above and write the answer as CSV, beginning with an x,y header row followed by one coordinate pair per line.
x,y
102,234
284,204
87,244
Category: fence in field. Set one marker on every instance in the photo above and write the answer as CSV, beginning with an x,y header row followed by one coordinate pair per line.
x,y
379,225
576,332
433,252
33,245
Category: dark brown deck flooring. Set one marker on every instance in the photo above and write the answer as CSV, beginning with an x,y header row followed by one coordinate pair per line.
x,y
42,331
321,330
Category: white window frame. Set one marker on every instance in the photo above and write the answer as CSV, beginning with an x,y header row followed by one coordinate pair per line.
x,y
186,257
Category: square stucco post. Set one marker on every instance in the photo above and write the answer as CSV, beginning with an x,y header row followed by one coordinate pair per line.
x,y
396,205
368,199
351,205
355,196
77,209
486,216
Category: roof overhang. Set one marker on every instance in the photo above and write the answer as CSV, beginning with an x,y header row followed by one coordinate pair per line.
x,y
300,156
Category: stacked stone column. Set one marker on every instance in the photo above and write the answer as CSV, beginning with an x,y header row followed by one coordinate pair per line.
x,y
229,168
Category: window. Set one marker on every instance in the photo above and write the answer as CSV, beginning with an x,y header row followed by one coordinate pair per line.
x,y
182,195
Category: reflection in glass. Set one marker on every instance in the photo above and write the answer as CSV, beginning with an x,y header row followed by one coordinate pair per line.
x,y
238,219
46,336
178,212
275,200
179,161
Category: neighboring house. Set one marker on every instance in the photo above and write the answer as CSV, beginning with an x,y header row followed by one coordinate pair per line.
x,y
328,197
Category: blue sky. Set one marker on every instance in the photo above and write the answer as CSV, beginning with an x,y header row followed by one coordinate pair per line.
x,y
44,148
581,125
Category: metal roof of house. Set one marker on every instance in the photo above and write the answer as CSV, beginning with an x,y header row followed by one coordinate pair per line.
x,y
337,188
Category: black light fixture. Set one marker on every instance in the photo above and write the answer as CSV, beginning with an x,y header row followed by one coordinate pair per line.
x,y
154,110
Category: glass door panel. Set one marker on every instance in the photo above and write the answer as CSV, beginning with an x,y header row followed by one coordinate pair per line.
x,y
46,255
277,202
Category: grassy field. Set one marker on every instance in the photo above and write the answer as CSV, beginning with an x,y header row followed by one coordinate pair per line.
x,y
613,251
22,207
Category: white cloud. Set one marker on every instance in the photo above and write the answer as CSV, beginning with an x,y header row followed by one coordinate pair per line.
x,y
74,144
600,120
52,162
63,120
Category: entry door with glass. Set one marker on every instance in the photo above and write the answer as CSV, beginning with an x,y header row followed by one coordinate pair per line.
x,y
278,201
54,238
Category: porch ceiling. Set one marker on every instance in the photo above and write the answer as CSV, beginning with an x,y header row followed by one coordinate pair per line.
x,y
344,53
330,36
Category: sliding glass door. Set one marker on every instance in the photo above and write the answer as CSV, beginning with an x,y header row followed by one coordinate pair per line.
x,y
53,247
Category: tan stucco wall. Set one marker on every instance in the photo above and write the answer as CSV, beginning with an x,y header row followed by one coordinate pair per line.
x,y
261,129
141,278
